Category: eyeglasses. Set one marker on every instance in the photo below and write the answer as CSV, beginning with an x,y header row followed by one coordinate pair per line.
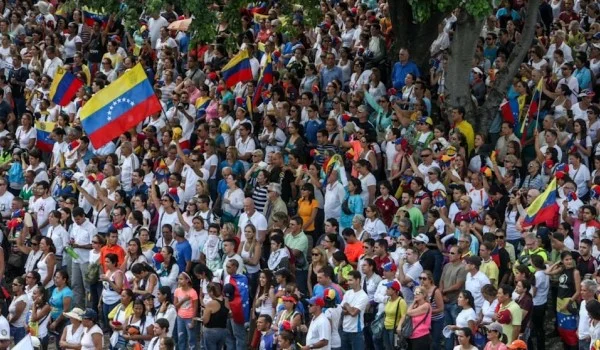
x,y
421,278
395,120
425,155
315,254
499,237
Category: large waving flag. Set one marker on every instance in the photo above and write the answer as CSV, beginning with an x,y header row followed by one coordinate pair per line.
x,y
43,131
64,87
237,69
510,111
119,107
266,78
201,104
544,208
240,283
92,16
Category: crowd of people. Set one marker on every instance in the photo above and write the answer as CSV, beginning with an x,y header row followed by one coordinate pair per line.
x,y
342,205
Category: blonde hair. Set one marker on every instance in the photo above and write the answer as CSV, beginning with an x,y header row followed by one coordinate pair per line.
x,y
323,256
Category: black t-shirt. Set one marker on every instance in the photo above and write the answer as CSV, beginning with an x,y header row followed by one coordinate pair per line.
x,y
285,180
21,75
427,260
96,49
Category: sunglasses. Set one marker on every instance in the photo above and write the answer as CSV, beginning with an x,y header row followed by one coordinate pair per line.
x,y
499,237
422,278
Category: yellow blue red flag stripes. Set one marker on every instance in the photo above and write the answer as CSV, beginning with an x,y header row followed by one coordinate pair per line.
x,y
64,87
544,208
91,16
266,77
119,107
43,131
237,69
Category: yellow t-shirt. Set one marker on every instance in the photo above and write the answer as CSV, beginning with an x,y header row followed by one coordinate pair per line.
x,y
467,130
305,210
490,269
516,319
390,311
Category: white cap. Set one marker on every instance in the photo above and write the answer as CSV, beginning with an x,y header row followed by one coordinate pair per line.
x,y
421,237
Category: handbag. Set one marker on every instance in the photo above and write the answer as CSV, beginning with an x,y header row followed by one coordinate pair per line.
x,y
377,326
345,207
407,326
92,276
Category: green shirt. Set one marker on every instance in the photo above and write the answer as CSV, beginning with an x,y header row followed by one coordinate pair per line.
x,y
299,242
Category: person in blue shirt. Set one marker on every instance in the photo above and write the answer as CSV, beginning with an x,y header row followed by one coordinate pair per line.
x,y
313,124
403,67
330,72
183,250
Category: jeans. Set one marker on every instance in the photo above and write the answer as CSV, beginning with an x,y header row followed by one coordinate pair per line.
x,y
18,333
388,339
214,338
237,336
185,334
106,309
450,313
79,285
436,333
352,341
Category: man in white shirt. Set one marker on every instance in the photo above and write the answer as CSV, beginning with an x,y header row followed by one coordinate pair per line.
x,y
43,206
475,280
354,304
319,331
252,216
130,163
5,199
82,233
155,24
477,193
334,197
120,223
409,270
559,43
588,292
230,254
52,63
579,173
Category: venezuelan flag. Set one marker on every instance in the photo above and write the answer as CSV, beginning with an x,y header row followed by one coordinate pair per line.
x,y
90,16
119,107
201,104
544,208
64,87
266,77
237,69
510,111
43,130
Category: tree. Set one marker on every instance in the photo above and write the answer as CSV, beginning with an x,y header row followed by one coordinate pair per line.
x,y
420,18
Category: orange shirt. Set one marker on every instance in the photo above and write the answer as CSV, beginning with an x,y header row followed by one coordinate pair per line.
x,y
353,251
115,249
305,209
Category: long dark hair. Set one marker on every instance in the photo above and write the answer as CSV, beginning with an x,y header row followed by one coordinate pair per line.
x,y
171,261
311,191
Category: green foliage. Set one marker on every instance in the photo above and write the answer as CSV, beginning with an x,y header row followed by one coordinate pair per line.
x,y
206,18
422,9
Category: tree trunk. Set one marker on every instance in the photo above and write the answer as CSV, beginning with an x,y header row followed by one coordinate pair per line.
x,y
488,111
417,37
460,63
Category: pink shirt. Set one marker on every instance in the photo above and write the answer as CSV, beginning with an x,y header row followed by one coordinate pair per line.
x,y
186,310
423,326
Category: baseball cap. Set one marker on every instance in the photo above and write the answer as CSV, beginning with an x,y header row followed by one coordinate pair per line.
x,y
477,70
329,294
517,345
421,237
289,298
393,285
390,267
317,301
229,291
586,92
495,326
89,314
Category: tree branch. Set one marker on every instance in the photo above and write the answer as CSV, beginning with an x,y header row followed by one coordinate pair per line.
x,y
504,77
